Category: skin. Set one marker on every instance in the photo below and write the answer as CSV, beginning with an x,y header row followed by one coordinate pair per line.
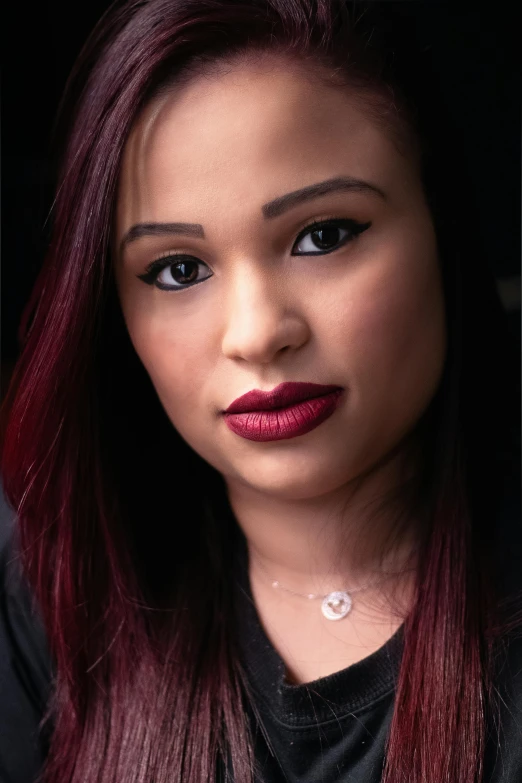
x,y
368,316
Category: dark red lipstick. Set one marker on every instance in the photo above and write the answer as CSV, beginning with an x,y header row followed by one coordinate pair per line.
x,y
289,410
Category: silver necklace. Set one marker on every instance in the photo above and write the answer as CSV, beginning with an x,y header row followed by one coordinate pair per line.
x,y
335,605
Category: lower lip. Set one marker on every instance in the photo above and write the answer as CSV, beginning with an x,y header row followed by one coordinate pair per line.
x,y
284,423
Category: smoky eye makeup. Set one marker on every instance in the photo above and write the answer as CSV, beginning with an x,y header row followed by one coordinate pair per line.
x,y
326,235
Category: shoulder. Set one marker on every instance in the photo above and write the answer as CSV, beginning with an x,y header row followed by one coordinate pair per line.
x,y
21,628
25,672
505,749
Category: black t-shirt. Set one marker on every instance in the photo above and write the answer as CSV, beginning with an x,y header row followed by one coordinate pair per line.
x,y
334,729
331,729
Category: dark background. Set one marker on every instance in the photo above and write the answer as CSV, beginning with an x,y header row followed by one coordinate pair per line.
x,y
474,54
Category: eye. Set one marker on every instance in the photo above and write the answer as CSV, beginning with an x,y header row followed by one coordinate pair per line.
x,y
184,271
181,272
327,236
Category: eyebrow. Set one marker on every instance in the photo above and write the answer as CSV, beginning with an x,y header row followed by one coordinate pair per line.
x,y
271,209
283,203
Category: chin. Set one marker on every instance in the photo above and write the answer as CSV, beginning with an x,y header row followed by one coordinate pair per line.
x,y
297,481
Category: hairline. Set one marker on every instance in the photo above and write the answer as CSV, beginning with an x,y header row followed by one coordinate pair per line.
x,y
373,98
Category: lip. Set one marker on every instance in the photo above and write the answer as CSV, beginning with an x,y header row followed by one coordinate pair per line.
x,y
282,396
275,422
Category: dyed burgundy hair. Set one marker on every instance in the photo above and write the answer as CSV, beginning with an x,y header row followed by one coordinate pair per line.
x,y
133,585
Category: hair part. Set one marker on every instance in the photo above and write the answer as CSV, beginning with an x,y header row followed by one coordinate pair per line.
x,y
374,98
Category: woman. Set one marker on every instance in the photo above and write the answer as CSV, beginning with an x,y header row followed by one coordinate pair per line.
x,y
266,492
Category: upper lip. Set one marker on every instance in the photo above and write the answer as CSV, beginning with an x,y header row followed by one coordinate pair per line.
x,y
283,395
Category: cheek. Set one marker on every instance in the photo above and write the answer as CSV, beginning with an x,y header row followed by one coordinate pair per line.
x,y
172,355
390,327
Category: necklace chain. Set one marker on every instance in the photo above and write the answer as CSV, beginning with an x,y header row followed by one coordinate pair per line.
x,y
311,596
337,604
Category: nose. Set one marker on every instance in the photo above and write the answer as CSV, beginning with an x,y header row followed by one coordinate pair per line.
x,y
262,319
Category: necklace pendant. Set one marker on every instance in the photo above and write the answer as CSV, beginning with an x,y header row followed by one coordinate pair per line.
x,y
336,605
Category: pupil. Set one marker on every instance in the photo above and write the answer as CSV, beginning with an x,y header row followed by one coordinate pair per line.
x,y
328,236
182,275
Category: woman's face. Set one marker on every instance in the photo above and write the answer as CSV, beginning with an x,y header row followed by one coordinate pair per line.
x,y
364,313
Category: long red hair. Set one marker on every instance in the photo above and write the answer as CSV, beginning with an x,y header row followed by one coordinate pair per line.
x,y
148,684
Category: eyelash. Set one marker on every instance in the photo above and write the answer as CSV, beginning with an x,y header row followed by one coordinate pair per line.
x,y
155,267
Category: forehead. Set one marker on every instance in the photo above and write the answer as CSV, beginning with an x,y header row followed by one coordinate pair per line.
x,y
245,136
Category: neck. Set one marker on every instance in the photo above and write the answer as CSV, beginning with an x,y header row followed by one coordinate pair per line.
x,y
344,539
